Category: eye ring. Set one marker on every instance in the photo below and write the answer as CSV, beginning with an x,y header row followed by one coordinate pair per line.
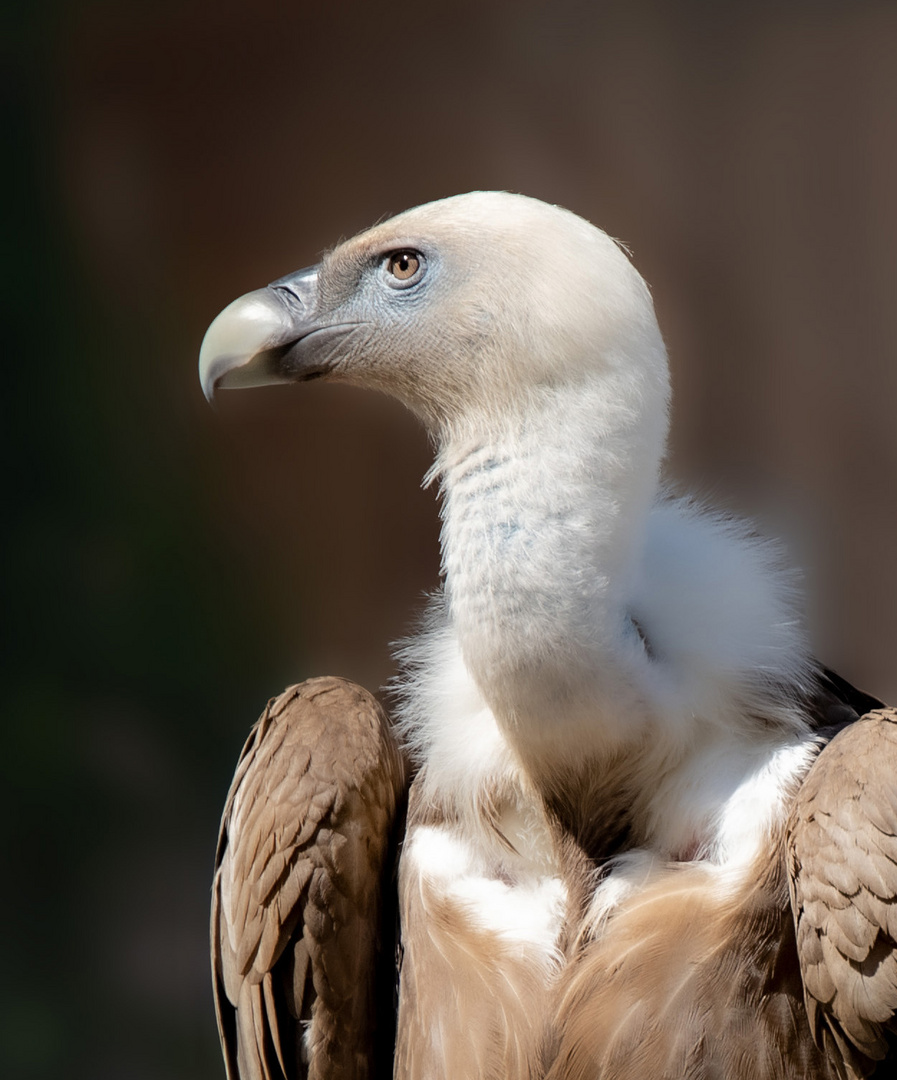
x,y
404,267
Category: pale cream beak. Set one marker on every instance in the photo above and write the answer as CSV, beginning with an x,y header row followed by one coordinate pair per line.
x,y
253,341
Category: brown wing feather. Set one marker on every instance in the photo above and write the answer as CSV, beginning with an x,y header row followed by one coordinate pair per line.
x,y
299,885
842,852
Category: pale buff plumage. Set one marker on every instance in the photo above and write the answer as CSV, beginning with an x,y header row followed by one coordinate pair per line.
x,y
612,711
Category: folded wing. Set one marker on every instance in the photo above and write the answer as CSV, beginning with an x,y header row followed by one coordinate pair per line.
x,y
303,968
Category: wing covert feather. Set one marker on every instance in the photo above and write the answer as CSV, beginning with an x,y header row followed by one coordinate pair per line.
x,y
842,855
302,867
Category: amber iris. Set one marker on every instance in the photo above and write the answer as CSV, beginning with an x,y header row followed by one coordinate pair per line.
x,y
403,265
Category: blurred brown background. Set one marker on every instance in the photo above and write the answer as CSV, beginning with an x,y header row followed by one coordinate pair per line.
x,y
170,567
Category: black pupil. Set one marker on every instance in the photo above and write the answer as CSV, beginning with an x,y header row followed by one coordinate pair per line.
x,y
404,263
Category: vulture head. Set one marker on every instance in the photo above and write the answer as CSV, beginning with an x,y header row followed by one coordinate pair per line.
x,y
464,309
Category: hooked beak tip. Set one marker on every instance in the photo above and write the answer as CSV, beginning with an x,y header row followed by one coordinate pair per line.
x,y
245,344
242,331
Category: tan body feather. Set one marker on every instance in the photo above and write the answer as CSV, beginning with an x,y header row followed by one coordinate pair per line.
x,y
683,978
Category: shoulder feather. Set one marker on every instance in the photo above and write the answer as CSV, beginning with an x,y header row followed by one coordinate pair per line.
x,y
842,854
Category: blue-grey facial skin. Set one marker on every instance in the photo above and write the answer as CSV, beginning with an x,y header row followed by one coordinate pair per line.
x,y
365,292
350,318
372,327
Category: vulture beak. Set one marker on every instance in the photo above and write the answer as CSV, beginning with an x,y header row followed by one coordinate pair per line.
x,y
263,337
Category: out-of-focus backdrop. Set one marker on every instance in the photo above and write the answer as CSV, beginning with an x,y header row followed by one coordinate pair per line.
x,y
169,567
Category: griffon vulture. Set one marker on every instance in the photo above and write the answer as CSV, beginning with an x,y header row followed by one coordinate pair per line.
x,y
648,836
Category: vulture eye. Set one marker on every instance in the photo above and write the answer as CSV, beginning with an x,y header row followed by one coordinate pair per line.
x,y
404,268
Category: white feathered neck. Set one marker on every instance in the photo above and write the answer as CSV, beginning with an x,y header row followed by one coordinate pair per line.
x,y
587,619
543,527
